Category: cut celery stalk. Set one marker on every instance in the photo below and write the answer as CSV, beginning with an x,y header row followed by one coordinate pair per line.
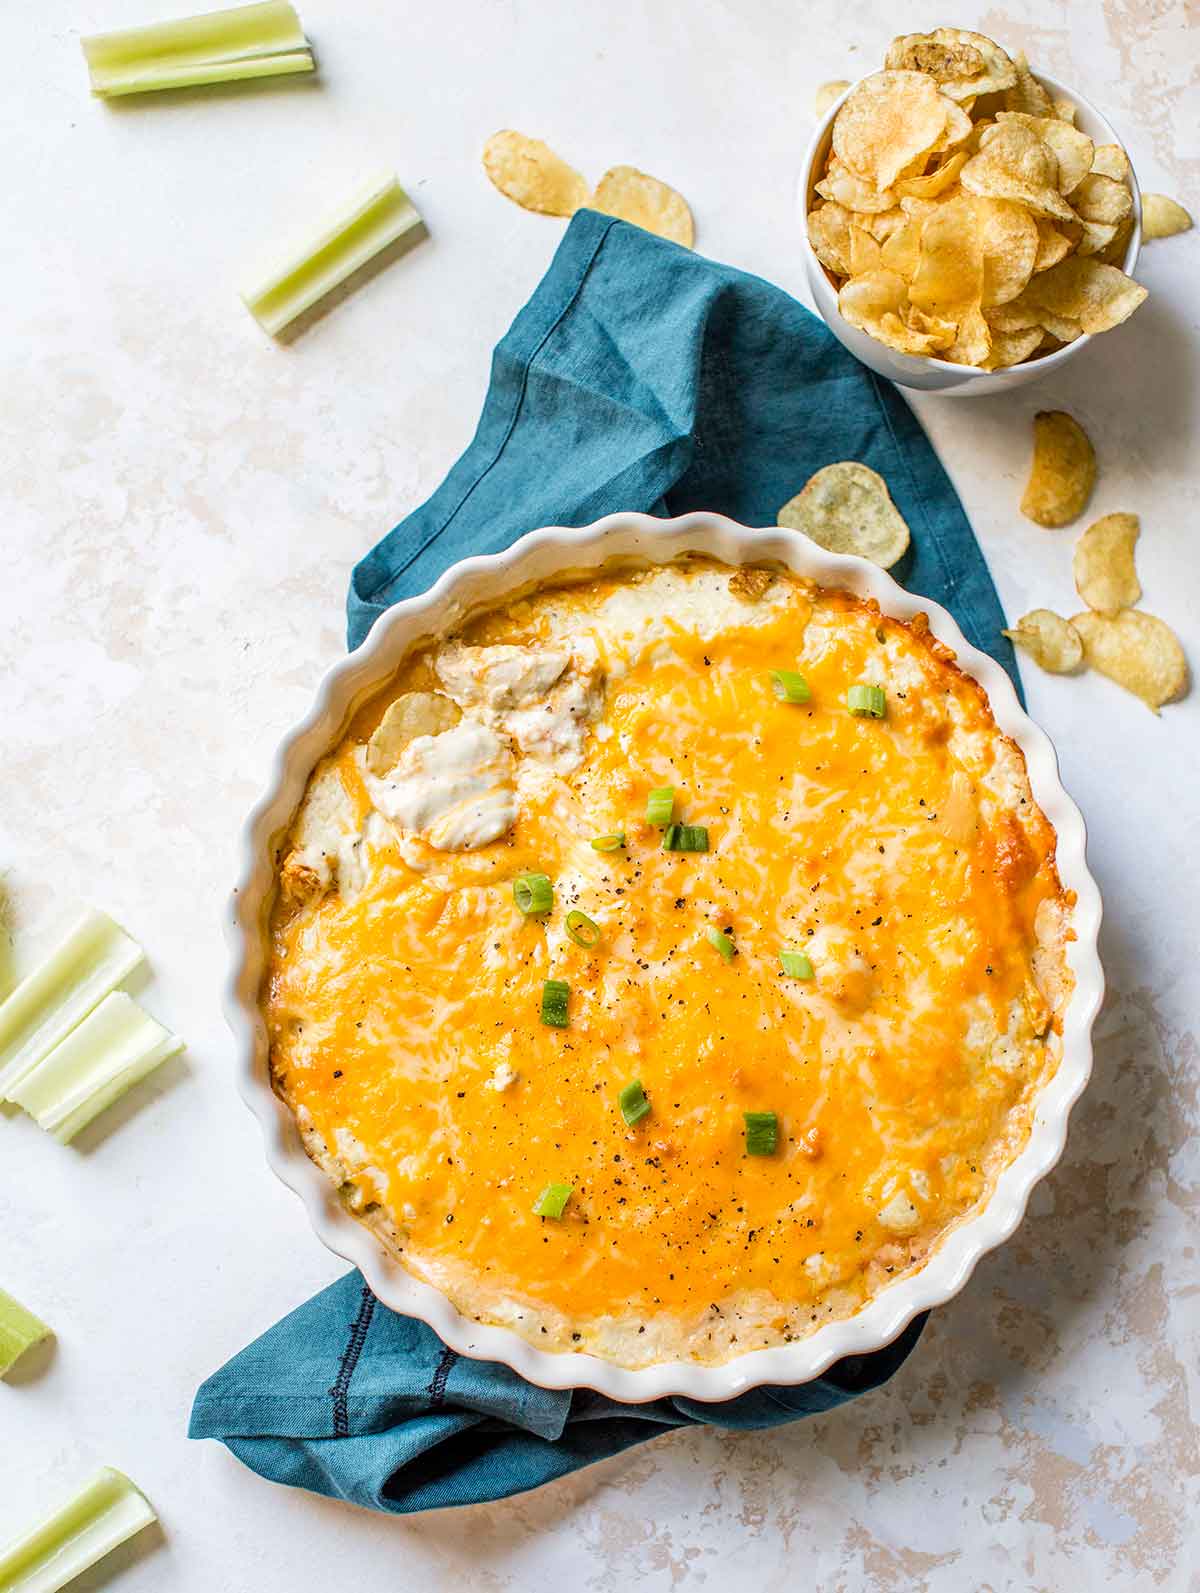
x,y
377,215
95,957
103,1514
114,1047
20,1330
220,46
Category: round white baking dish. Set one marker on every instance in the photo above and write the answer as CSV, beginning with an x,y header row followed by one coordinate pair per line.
x,y
478,582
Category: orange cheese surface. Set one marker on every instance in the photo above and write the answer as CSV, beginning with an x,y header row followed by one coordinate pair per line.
x,y
905,856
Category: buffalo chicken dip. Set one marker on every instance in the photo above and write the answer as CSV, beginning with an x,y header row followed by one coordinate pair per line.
x,y
667,962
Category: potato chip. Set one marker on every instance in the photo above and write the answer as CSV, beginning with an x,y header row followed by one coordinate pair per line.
x,y
840,185
1005,319
415,713
1136,650
1027,94
1051,641
1098,296
1101,199
1010,348
931,184
1110,160
901,250
1073,150
847,508
962,64
959,127
890,120
1095,236
829,234
632,196
878,302
973,343
864,250
882,226
1064,111
1009,239
948,280
1014,163
1116,251
1053,245
1105,576
530,174
1063,471
827,94
1163,217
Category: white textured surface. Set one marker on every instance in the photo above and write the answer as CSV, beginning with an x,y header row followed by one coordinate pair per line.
x,y
182,501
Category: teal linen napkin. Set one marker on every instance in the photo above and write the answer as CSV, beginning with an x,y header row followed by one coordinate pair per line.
x,y
639,376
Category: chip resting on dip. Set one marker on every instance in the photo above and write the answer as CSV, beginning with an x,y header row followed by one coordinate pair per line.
x,y
666,962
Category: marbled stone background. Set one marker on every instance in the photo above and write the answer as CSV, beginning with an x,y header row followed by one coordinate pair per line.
x,y
181,502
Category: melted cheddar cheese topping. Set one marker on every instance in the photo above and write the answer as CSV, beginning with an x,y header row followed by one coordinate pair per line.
x,y
904,856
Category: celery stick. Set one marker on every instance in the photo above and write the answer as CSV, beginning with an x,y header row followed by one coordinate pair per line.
x,y
114,1047
376,216
95,957
105,1512
20,1330
249,41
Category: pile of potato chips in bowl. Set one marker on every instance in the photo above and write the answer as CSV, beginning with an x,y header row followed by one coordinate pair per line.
x,y
967,216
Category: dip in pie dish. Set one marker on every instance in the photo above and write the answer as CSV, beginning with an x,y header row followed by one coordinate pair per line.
x,y
669,960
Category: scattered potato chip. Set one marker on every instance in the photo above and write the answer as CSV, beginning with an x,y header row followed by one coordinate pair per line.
x,y
949,277
1063,471
1101,199
962,64
889,120
1110,160
1098,296
1105,576
1027,94
1010,348
530,174
1053,245
631,195
840,185
1136,650
1014,163
1051,641
931,184
827,94
1073,150
415,713
846,508
1163,217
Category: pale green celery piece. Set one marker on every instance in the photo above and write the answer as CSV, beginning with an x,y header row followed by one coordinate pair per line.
x,y
376,216
114,1047
95,957
221,46
20,1330
103,1514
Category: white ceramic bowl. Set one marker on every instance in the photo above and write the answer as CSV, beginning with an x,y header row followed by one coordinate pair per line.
x,y
462,590
914,370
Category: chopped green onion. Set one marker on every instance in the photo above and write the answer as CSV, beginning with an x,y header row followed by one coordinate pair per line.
x,y
762,1133
552,1201
376,216
533,894
685,838
660,805
582,930
220,46
723,943
20,1330
102,1515
609,843
790,685
114,1047
796,965
633,1103
555,994
94,958
867,702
